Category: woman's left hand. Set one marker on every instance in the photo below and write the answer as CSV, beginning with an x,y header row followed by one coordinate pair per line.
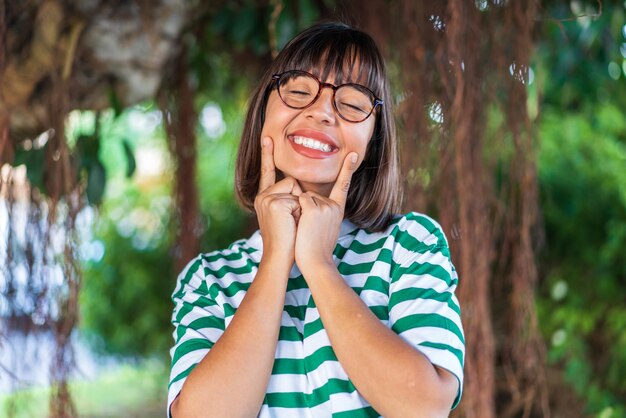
x,y
320,221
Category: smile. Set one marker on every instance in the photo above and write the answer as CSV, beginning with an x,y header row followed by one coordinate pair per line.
x,y
312,148
312,143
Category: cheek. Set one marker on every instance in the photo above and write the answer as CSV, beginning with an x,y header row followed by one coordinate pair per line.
x,y
276,116
360,140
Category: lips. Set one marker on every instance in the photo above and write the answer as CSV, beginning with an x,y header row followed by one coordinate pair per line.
x,y
312,144
315,135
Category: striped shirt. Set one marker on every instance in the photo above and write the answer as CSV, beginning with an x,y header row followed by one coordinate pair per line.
x,y
404,275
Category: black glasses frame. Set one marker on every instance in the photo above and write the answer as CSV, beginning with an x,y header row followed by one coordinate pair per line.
x,y
277,78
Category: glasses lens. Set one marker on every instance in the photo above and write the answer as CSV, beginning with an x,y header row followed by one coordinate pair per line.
x,y
354,103
297,89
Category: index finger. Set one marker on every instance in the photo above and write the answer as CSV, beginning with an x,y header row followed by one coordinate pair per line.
x,y
268,171
339,193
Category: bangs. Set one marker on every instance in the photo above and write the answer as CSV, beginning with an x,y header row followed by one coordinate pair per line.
x,y
350,56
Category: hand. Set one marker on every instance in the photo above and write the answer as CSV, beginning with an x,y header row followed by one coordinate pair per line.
x,y
320,221
277,208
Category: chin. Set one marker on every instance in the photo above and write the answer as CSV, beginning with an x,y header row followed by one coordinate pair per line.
x,y
310,176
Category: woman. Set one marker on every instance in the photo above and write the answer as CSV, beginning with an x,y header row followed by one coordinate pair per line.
x,y
336,306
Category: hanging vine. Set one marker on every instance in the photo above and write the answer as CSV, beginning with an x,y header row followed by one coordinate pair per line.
x,y
461,63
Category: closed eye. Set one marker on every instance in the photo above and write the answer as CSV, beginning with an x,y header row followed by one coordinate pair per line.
x,y
353,107
299,92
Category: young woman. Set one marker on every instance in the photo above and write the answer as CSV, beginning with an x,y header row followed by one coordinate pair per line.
x,y
337,306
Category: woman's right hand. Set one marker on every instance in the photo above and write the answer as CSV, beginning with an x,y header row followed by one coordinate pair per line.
x,y
277,208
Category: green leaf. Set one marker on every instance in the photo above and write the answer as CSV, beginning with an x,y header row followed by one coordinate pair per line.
x,y
130,158
96,182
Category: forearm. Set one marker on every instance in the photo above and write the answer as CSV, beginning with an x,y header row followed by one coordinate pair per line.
x,y
232,378
395,378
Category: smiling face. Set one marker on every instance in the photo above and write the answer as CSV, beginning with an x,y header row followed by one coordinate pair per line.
x,y
311,144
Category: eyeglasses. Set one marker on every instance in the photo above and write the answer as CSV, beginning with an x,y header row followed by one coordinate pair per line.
x,y
299,90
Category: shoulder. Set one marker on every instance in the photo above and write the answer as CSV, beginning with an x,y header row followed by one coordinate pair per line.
x,y
211,264
419,229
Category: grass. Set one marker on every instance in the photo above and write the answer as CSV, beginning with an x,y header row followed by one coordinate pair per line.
x,y
126,391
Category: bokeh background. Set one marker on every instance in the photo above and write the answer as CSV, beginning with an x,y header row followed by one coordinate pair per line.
x,y
119,122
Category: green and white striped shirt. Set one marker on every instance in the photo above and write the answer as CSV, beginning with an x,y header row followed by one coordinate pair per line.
x,y
404,275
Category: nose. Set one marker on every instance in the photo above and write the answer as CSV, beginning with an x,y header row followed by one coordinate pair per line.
x,y
322,109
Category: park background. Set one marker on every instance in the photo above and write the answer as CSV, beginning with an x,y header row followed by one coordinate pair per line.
x,y
119,121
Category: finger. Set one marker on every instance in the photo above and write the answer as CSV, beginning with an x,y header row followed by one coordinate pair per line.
x,y
307,201
339,193
268,171
297,213
297,190
286,185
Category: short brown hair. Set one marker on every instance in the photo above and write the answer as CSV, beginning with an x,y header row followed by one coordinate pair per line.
x,y
375,192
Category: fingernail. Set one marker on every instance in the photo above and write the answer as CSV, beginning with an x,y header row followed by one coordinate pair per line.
x,y
354,157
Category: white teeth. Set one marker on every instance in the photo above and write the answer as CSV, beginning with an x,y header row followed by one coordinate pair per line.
x,y
312,143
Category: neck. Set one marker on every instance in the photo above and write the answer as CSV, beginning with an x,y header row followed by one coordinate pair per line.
x,y
323,189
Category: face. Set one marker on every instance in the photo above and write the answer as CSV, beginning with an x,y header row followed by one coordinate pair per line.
x,y
311,144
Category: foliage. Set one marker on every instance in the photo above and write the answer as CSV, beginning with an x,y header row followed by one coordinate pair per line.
x,y
583,193
135,274
581,160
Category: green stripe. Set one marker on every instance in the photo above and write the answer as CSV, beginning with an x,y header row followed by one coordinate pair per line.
x,y
306,400
377,284
429,225
296,312
313,327
360,248
226,269
289,334
233,256
345,268
229,310
414,293
412,244
374,283
228,291
384,256
366,412
306,365
218,274
207,322
427,320
419,269
296,283
182,375
340,251
457,353
201,302
186,279
189,346
381,312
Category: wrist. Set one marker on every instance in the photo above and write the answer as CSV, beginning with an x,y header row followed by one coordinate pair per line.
x,y
279,261
317,265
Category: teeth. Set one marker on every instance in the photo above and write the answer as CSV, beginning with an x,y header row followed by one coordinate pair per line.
x,y
312,143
